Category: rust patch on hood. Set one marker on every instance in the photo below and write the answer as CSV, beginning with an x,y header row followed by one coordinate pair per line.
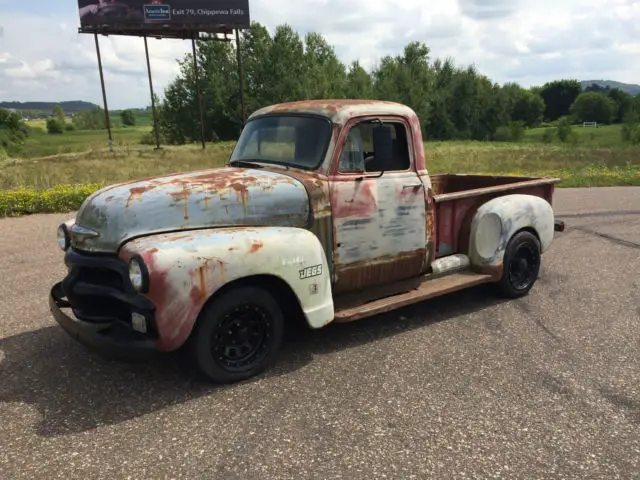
x,y
135,193
184,196
242,192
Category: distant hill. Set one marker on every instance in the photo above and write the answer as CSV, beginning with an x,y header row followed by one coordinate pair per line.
x,y
630,88
73,106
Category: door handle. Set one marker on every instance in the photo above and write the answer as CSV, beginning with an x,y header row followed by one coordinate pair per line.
x,y
412,185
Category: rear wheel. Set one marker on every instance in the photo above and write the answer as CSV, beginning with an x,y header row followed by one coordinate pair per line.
x,y
238,335
521,265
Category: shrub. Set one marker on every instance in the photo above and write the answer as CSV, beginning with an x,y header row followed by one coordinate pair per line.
x,y
148,138
128,118
549,134
631,129
573,138
61,198
512,132
55,126
564,129
631,133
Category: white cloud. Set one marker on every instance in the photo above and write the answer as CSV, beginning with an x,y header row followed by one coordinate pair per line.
x,y
509,40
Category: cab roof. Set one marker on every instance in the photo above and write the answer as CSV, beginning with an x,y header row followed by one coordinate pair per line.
x,y
339,110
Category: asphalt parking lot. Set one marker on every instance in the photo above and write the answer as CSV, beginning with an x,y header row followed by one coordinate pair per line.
x,y
465,386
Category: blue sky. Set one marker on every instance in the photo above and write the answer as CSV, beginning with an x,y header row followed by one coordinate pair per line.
x,y
42,57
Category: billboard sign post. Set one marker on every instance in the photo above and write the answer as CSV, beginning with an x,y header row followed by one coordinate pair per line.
x,y
184,19
104,93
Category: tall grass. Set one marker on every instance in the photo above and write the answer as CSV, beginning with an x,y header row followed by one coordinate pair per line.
x,y
577,166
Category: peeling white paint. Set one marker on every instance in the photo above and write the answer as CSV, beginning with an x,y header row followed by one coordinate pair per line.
x,y
499,219
210,259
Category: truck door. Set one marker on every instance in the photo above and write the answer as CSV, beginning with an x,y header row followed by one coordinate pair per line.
x,y
378,217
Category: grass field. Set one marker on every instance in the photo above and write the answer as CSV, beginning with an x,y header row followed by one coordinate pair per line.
x,y
41,144
603,136
80,157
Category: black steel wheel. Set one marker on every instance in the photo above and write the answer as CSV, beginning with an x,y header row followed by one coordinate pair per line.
x,y
238,335
521,265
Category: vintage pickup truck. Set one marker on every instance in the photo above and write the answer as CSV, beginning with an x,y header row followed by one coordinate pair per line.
x,y
324,213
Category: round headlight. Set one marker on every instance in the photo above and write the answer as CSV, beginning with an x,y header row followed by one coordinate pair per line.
x,y
138,274
63,237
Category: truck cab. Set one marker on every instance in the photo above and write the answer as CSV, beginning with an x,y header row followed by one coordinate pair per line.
x,y
325,212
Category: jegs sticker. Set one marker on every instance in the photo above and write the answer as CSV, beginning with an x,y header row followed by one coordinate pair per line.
x,y
309,272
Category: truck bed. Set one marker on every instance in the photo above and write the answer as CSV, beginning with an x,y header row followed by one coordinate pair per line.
x,y
458,196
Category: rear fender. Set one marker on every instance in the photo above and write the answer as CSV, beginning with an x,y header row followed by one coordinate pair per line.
x,y
187,268
498,220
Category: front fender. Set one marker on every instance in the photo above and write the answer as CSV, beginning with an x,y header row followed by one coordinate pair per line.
x,y
186,268
499,219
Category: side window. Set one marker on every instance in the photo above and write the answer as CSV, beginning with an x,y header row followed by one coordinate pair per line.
x,y
352,157
358,155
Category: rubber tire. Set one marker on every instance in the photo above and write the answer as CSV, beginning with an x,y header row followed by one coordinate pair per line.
x,y
504,286
213,313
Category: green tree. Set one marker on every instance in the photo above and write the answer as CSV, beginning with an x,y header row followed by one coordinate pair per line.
x,y
220,92
558,97
58,113
623,103
593,107
359,83
13,132
178,118
451,101
326,76
285,66
128,117
256,43
523,105
439,124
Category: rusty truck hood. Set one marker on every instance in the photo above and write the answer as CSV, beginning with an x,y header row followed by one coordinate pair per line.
x,y
211,198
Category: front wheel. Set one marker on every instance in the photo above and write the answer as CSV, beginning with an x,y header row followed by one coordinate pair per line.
x,y
238,335
521,265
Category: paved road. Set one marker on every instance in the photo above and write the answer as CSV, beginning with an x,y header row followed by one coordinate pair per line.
x,y
461,387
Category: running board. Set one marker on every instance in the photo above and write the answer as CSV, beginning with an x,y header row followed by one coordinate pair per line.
x,y
427,289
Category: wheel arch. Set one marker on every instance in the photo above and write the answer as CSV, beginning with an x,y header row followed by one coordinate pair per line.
x,y
498,220
281,291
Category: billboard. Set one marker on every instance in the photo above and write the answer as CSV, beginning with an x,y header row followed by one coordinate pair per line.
x,y
148,16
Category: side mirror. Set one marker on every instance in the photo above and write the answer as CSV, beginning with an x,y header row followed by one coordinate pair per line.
x,y
383,145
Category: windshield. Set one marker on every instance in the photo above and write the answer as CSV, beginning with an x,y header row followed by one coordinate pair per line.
x,y
294,140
